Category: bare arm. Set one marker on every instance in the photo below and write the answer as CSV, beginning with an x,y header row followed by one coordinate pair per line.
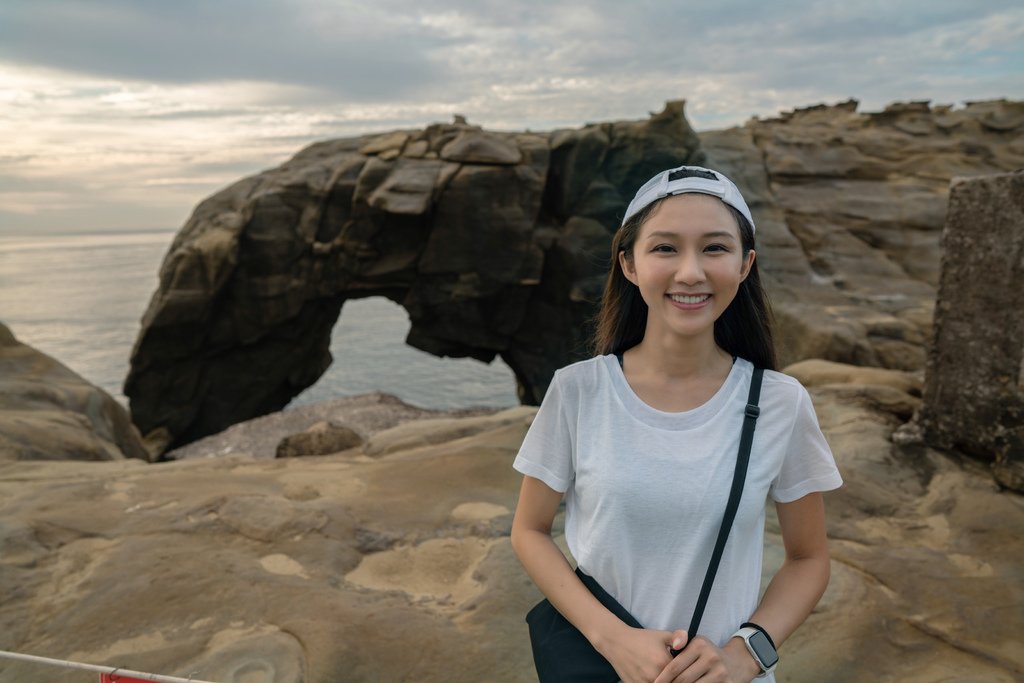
x,y
792,594
636,654
801,581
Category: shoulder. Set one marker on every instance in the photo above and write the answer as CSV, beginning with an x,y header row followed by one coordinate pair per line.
x,y
782,383
780,389
773,380
788,401
585,374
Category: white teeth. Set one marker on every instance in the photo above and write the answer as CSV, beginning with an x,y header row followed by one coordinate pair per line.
x,y
684,299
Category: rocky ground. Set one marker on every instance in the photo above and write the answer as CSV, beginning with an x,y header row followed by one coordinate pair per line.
x,y
378,549
391,561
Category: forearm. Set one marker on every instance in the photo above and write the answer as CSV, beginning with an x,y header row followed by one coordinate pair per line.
x,y
550,570
793,592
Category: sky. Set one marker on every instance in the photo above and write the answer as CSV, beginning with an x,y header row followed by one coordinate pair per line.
x,y
124,114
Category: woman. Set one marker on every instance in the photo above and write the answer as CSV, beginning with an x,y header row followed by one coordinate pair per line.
x,y
641,441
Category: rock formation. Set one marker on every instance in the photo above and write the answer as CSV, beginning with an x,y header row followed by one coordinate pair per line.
x,y
974,391
850,208
322,438
47,412
392,561
496,244
493,242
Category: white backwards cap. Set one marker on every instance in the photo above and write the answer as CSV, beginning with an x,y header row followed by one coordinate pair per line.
x,y
688,179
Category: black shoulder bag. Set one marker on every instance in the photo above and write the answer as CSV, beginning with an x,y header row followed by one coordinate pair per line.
x,y
563,655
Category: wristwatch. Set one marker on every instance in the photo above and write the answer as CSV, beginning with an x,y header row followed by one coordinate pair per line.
x,y
760,646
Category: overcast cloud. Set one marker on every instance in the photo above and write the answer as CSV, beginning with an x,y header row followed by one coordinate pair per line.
x,y
119,114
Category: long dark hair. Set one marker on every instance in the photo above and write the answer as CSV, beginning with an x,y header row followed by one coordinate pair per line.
x,y
744,329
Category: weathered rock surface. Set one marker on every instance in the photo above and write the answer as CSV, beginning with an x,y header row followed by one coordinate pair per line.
x,y
926,555
47,412
493,242
974,393
322,438
397,565
365,414
497,243
850,208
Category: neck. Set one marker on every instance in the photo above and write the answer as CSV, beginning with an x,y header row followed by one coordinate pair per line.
x,y
672,356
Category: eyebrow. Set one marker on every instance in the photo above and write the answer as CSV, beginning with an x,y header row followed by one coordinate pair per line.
x,y
668,233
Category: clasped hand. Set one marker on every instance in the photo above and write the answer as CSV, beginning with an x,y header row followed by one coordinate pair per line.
x,y
642,656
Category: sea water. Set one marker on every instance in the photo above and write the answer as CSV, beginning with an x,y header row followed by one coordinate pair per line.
x,y
80,297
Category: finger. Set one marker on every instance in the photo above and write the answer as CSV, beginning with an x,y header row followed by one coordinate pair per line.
x,y
679,640
679,664
704,660
666,637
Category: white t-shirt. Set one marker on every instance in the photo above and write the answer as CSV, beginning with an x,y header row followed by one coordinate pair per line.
x,y
645,490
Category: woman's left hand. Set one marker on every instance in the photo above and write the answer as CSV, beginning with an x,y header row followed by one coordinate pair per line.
x,y
702,660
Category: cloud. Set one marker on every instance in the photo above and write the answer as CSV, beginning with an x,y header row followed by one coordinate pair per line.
x,y
355,50
498,56
131,104
30,203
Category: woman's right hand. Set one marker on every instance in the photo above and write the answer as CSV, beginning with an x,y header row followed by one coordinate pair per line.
x,y
639,655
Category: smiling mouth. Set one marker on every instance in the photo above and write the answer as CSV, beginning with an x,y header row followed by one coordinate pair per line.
x,y
689,299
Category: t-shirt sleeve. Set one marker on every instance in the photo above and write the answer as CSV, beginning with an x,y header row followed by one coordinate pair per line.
x,y
808,465
546,452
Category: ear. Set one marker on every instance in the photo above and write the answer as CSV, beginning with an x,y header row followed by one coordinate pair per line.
x,y
748,263
627,266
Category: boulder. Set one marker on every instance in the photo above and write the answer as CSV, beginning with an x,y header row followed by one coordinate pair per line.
x,y
320,439
974,393
480,148
408,189
47,412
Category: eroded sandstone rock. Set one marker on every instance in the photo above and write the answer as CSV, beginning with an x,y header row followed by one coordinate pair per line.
x,y
974,394
473,232
850,208
320,439
497,245
47,412
399,566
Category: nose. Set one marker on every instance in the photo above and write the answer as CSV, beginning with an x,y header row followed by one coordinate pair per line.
x,y
690,270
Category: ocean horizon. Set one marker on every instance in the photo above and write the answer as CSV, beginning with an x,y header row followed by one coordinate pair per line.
x,y
79,296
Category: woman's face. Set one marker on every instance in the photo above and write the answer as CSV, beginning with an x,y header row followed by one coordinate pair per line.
x,y
688,264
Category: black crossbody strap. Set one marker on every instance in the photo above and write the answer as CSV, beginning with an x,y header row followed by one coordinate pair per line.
x,y
742,458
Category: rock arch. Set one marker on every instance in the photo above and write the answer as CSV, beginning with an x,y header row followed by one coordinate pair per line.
x,y
495,244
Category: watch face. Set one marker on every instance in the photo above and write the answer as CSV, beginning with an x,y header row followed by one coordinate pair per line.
x,y
765,652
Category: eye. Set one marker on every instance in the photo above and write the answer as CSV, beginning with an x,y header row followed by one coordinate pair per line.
x,y
716,248
664,249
